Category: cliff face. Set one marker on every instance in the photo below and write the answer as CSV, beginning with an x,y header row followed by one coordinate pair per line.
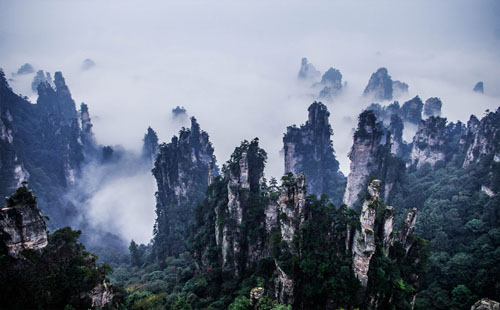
x,y
240,226
309,150
364,239
181,170
150,146
381,87
482,139
21,223
429,143
375,240
364,156
43,143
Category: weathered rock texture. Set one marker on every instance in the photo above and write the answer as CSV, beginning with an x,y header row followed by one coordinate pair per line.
x,y
237,223
364,156
309,149
181,170
486,304
102,295
429,143
42,143
482,139
21,223
432,107
364,238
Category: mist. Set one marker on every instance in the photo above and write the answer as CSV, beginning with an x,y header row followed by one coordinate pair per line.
x,y
233,65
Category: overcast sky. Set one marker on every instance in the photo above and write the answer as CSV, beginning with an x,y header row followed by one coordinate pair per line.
x,y
234,64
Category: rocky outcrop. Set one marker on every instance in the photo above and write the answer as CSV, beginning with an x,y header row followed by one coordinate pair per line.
x,y
40,78
150,146
411,111
395,133
309,149
407,231
292,203
87,135
479,87
236,223
364,156
43,142
481,141
102,295
429,143
308,71
331,83
181,171
432,107
22,226
381,87
256,294
486,304
363,246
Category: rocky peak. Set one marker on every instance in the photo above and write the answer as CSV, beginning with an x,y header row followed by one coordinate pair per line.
x,y
309,150
408,229
331,83
150,146
244,173
381,87
21,223
429,143
181,171
27,68
307,70
411,111
292,202
479,87
57,101
39,78
432,107
87,135
482,140
363,156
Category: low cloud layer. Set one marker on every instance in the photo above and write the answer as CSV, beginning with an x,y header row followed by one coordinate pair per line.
x,y
234,65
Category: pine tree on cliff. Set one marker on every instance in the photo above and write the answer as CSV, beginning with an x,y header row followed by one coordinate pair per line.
x,y
309,150
181,170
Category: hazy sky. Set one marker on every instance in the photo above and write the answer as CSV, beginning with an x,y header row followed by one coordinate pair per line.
x,y
233,64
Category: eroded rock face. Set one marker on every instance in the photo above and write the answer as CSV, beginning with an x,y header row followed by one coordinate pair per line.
x,y
256,295
102,295
363,156
236,221
150,146
39,78
21,223
292,202
486,304
364,239
181,170
309,150
432,107
411,111
408,229
429,143
481,140
380,85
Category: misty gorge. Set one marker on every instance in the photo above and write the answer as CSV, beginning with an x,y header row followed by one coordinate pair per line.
x,y
249,155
